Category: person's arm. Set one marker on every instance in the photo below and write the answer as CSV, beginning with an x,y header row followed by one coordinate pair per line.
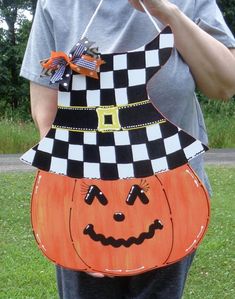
x,y
212,64
43,106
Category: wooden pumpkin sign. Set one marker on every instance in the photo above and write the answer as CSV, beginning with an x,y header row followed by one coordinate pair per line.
x,y
115,193
122,227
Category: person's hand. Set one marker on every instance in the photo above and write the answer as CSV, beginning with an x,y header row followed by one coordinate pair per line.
x,y
160,9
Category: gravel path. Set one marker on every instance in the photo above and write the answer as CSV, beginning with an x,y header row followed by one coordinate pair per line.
x,y
223,157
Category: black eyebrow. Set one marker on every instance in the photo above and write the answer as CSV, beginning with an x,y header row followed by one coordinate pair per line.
x,y
136,191
93,192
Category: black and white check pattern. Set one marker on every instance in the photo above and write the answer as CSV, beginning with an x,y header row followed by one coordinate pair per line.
x,y
119,154
123,77
116,155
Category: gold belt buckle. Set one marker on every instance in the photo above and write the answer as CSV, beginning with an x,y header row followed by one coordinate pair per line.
x,y
108,119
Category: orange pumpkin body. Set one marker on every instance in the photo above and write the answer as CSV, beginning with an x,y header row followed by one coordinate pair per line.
x,y
122,227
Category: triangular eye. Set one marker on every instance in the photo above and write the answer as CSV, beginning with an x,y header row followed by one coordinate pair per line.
x,y
95,192
136,191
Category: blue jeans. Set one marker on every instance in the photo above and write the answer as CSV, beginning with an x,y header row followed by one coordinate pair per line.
x,y
163,283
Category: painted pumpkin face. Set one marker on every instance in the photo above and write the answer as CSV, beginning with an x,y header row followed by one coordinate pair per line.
x,y
122,227
110,223
135,192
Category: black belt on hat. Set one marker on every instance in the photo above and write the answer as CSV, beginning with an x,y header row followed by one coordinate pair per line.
x,y
107,118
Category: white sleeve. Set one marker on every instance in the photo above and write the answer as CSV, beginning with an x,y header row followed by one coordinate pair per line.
x,y
209,17
40,44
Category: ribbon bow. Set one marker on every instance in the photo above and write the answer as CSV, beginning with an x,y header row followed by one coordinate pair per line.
x,y
82,59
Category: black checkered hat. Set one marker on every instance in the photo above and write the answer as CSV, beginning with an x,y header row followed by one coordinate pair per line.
x,y
108,128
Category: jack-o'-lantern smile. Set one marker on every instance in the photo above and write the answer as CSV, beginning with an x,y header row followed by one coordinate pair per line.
x,y
89,230
136,191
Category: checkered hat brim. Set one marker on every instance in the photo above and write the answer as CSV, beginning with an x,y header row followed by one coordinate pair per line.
x,y
117,155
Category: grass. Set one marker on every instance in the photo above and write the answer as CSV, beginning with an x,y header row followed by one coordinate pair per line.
x,y
220,122
17,136
26,274
221,131
212,275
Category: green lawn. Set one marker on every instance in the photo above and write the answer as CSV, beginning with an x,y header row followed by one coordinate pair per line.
x,y
17,136
212,275
26,274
